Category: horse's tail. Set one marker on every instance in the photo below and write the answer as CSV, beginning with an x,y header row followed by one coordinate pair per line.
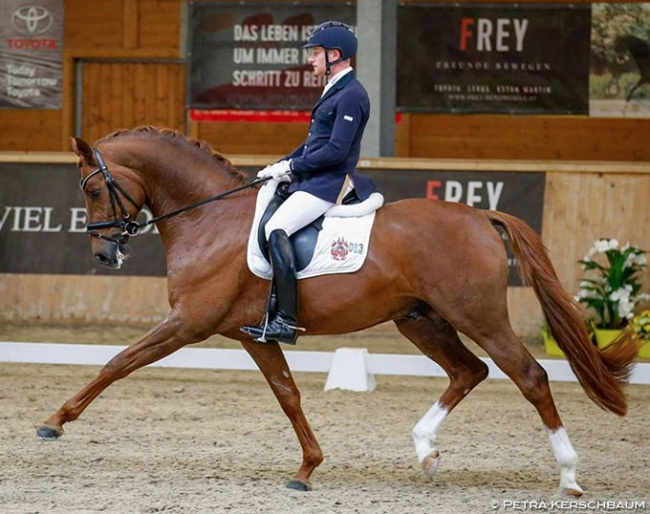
x,y
601,373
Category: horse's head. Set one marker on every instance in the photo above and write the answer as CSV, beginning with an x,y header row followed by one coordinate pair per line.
x,y
113,199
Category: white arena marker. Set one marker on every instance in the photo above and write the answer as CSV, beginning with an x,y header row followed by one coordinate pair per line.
x,y
349,371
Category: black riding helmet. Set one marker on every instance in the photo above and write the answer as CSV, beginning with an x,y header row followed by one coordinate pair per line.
x,y
334,35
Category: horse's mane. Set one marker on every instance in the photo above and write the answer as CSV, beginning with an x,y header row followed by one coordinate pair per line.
x,y
196,145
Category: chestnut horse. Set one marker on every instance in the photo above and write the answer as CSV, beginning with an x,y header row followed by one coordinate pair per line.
x,y
435,269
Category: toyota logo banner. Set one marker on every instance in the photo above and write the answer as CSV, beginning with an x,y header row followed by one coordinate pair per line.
x,y
31,54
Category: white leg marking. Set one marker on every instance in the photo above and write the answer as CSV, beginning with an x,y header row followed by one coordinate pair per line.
x,y
424,437
568,460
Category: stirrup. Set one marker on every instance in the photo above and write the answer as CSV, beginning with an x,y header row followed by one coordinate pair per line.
x,y
285,332
252,330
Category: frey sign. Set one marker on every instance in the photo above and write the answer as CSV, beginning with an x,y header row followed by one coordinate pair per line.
x,y
510,58
500,35
31,54
517,193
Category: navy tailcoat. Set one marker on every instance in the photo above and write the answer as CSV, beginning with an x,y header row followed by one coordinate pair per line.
x,y
324,163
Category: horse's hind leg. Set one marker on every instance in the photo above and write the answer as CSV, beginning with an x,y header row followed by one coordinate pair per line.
x,y
439,341
273,365
512,357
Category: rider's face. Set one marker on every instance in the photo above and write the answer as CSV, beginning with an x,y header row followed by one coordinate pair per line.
x,y
317,60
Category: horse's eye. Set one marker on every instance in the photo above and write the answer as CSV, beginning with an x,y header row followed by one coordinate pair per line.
x,y
94,194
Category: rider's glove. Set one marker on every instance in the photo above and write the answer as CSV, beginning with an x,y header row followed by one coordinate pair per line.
x,y
278,171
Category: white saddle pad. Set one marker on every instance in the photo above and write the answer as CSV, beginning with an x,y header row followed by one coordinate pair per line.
x,y
342,244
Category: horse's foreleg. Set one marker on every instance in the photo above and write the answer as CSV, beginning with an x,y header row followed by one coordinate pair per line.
x,y
529,376
161,341
440,342
273,365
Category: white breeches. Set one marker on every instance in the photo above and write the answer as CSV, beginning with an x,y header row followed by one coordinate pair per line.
x,y
297,211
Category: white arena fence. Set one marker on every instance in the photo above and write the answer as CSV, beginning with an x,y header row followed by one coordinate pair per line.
x,y
351,369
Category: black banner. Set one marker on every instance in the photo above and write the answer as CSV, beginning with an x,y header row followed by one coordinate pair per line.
x,y
517,58
43,226
517,193
42,214
250,56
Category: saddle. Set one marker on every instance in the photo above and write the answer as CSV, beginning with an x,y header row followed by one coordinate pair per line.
x,y
305,242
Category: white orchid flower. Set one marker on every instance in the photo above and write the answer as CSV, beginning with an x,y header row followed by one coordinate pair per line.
x,y
622,293
625,309
603,245
596,289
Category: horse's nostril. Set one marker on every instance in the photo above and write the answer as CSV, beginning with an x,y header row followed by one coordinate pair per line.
x,y
102,258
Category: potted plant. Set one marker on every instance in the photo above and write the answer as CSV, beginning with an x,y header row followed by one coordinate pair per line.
x,y
550,344
610,286
640,324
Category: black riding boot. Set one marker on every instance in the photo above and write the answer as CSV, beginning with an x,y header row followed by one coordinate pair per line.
x,y
283,325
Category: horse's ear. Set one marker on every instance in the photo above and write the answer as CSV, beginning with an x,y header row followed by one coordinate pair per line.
x,y
83,150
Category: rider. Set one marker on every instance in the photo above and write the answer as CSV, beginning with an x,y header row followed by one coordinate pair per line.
x,y
320,171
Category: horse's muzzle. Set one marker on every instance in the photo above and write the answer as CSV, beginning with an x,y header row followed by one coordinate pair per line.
x,y
112,254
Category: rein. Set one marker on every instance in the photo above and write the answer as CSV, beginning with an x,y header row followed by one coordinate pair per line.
x,y
130,227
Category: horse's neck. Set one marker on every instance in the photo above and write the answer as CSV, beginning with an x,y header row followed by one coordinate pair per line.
x,y
173,184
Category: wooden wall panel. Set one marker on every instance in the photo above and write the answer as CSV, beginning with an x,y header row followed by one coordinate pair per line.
x,y
160,23
528,137
581,207
251,137
127,94
94,24
36,130
88,299
150,29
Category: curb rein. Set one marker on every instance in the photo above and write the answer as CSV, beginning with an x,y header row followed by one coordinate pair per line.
x,y
128,226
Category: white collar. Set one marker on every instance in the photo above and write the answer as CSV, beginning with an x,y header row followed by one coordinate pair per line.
x,y
333,80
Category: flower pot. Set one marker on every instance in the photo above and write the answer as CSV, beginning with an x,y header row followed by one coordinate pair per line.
x,y
550,346
606,336
644,351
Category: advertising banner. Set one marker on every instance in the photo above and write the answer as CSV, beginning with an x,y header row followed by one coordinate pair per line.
x,y
619,74
43,226
250,56
31,54
42,214
517,193
493,58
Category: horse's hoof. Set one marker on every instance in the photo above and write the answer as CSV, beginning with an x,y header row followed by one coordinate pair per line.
x,y
431,462
572,491
297,485
48,433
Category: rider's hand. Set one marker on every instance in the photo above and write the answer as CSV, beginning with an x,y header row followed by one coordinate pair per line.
x,y
278,171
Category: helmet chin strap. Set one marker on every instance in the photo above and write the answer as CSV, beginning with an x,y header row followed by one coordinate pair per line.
x,y
329,63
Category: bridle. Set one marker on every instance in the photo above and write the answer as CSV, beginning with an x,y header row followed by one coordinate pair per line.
x,y
127,226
